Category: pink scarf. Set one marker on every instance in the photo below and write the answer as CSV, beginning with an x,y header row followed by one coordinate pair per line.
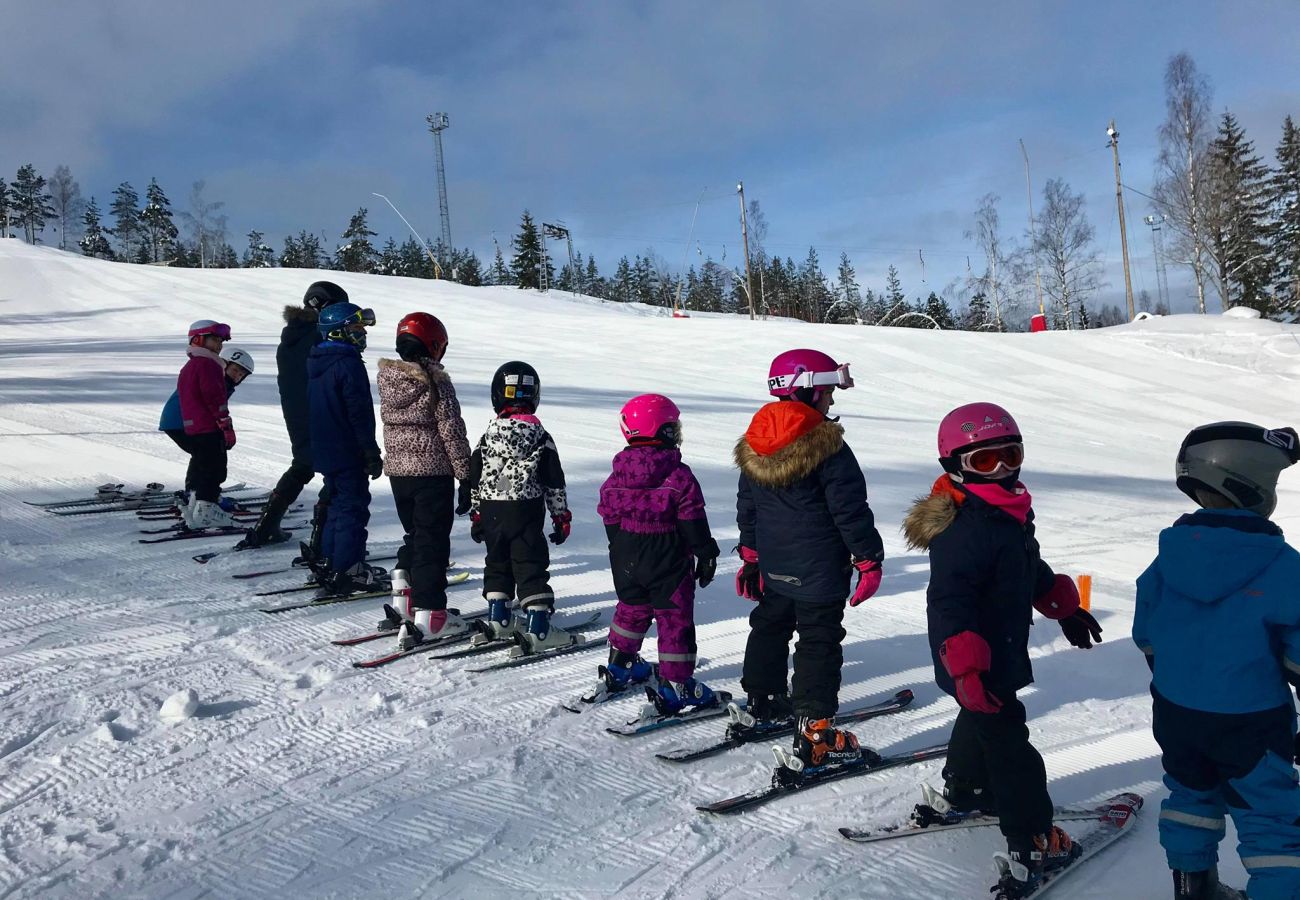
x,y
1016,503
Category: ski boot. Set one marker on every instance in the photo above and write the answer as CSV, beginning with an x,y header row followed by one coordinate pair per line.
x,y
818,743
1030,857
761,711
187,505
267,530
398,609
207,514
960,799
430,625
540,635
624,670
671,697
360,578
501,622
1203,886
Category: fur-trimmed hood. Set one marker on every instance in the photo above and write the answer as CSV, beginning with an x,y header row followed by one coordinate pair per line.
x,y
785,443
299,315
431,373
931,515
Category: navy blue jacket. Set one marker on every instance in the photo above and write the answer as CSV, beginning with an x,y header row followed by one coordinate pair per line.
x,y
985,573
342,410
801,503
1218,613
297,339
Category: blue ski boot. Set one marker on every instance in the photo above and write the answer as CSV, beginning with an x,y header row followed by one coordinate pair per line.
x,y
671,697
540,634
500,623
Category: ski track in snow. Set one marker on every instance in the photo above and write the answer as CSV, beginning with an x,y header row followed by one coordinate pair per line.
x,y
300,776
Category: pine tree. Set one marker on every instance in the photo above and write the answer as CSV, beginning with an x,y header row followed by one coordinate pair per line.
x,y
1238,211
977,313
156,220
415,262
260,254
526,266
622,288
31,203
390,260
291,255
68,207
357,254
311,253
894,296
1284,240
499,274
593,284
226,257
644,281
937,308
126,221
93,242
848,296
469,270
6,208
814,297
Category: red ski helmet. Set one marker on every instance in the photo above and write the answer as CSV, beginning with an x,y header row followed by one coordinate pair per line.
x,y
426,328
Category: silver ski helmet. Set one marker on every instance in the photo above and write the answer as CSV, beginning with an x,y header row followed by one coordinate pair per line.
x,y
1237,460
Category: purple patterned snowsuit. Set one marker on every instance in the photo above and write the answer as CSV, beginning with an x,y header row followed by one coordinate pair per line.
x,y
653,510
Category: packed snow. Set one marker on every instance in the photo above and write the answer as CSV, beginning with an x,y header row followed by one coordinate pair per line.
x,y
161,737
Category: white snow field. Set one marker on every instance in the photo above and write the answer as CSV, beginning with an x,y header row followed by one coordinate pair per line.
x,y
299,776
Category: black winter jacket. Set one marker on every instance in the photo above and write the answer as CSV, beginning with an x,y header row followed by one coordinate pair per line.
x,y
801,503
296,340
985,573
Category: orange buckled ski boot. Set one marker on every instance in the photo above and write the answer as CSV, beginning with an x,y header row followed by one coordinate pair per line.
x,y
817,742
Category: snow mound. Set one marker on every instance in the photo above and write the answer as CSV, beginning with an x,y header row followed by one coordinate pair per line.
x,y
179,706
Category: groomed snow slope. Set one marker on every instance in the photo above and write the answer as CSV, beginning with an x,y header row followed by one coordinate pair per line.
x,y
300,776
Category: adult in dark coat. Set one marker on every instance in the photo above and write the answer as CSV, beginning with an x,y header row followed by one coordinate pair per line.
x,y
297,339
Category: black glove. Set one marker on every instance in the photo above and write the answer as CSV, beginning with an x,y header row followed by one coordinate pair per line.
x,y
374,465
705,567
463,501
476,528
1081,629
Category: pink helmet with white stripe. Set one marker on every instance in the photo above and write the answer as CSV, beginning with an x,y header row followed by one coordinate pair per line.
x,y
804,374
975,423
650,418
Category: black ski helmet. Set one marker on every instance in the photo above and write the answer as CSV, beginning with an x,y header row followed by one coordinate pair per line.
x,y
516,384
1237,460
322,294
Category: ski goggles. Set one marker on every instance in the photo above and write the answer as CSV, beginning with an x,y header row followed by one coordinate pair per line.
x,y
840,378
987,460
360,317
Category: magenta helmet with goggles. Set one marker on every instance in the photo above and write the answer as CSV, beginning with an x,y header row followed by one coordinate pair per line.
x,y
975,423
651,419
805,374
208,328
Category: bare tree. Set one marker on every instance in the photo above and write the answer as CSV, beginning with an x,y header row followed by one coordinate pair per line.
x,y
987,237
207,227
1182,184
1064,249
65,196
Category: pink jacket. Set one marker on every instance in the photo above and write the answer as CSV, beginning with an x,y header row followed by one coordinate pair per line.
x,y
424,433
202,389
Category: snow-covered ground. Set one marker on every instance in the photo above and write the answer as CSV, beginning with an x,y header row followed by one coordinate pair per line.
x,y
299,776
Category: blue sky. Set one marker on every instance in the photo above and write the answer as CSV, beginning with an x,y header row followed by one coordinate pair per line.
x,y
869,127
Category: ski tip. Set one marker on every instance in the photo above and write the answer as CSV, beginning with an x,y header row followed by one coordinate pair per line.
x,y
905,696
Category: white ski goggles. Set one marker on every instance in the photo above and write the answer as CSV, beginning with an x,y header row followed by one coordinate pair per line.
x,y
840,378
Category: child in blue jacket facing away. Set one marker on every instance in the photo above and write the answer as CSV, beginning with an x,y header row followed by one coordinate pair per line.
x,y
1218,616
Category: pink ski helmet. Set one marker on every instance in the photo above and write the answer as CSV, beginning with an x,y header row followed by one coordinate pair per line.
x,y
205,327
975,423
650,418
804,374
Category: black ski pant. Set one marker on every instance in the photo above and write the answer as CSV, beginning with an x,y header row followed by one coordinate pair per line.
x,y
818,655
517,559
207,468
992,754
291,484
426,506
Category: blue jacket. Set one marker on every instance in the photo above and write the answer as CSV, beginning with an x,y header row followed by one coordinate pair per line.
x,y
341,407
171,419
1218,613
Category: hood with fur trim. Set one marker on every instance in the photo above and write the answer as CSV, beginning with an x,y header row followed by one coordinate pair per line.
x,y
785,443
931,515
297,315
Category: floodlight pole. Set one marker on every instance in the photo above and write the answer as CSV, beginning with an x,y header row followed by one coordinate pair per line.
x,y
744,235
1123,232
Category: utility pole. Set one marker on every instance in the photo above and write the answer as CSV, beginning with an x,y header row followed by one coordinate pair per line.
x,y
1029,192
1158,245
744,236
438,122
560,232
1123,232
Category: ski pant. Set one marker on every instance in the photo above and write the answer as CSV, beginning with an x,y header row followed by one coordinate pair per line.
x,y
992,754
674,618
818,655
292,482
517,556
343,539
207,468
426,507
1239,764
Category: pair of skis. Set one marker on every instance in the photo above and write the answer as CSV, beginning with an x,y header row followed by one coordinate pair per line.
x,y
196,534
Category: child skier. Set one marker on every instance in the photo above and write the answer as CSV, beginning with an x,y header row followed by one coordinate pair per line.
x,y
986,578
515,479
424,439
343,446
805,526
298,337
238,366
1218,617
201,390
659,547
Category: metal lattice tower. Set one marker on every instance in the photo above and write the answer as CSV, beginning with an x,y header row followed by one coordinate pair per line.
x,y
1158,243
438,122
